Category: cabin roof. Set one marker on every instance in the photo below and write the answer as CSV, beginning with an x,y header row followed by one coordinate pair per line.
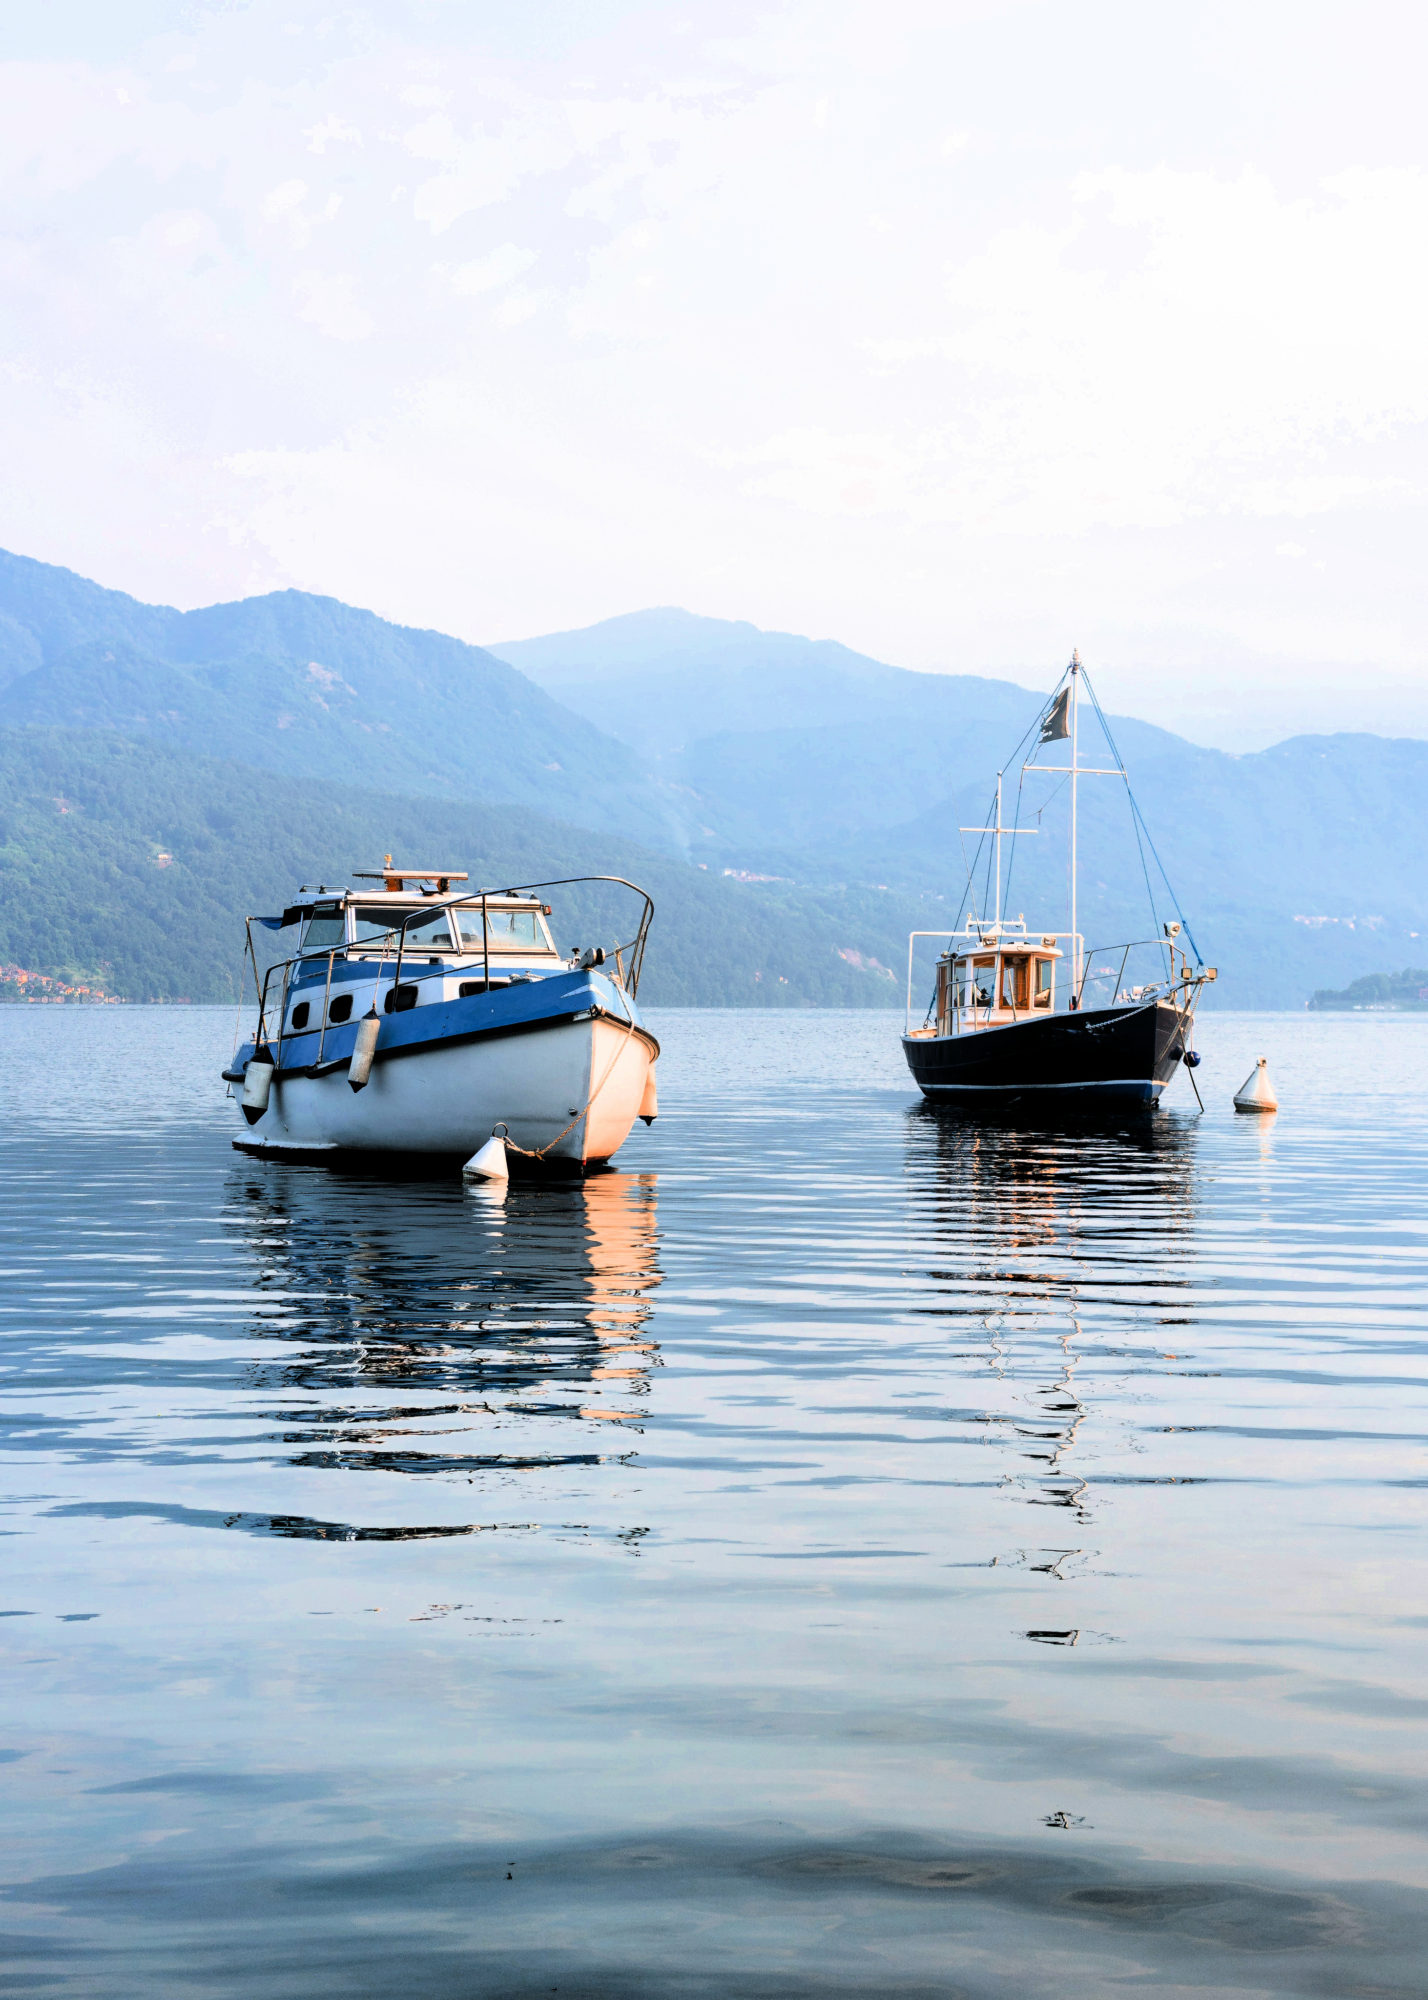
x,y
1009,948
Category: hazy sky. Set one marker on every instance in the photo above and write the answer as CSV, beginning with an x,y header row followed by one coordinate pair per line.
x,y
961,331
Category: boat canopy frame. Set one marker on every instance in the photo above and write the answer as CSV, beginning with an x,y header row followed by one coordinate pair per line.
x,y
1010,937
629,956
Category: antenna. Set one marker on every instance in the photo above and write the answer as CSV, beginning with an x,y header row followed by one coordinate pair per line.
x,y
998,829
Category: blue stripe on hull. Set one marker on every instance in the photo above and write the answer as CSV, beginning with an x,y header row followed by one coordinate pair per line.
x,y
553,998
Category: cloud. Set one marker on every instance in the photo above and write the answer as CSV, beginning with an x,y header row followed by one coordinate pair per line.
x,y
904,322
492,273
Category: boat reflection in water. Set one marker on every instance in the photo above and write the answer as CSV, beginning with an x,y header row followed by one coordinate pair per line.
x,y
1064,1251
420,1331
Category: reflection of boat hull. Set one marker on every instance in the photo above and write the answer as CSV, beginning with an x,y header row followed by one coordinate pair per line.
x,y
1107,1055
569,1087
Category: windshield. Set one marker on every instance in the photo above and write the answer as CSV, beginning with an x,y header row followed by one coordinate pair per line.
x,y
510,930
326,927
426,928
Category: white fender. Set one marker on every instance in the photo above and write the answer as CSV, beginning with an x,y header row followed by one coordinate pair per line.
x,y
365,1047
649,1103
257,1085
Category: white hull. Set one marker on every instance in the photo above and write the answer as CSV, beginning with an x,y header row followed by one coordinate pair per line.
x,y
570,1091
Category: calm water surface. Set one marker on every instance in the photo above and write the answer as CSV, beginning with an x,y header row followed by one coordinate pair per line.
x,y
847,1550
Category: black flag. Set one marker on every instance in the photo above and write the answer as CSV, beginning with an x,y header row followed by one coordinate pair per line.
x,y
1055,723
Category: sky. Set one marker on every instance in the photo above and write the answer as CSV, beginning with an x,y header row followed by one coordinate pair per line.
x,y
962,331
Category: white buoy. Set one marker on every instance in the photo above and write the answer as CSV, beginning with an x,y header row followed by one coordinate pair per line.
x,y
649,1102
359,1070
257,1085
1256,1093
489,1164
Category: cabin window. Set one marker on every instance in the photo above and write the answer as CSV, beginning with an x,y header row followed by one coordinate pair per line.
x,y
325,929
300,1014
399,999
1045,973
509,930
983,981
340,1010
373,924
1016,973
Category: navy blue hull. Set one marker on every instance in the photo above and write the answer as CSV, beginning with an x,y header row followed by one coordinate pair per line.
x,y
1108,1055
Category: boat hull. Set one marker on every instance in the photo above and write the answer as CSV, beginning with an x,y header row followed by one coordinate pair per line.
x,y
1108,1055
566,1089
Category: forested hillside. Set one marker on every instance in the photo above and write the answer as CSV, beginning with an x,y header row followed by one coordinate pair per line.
x,y
132,865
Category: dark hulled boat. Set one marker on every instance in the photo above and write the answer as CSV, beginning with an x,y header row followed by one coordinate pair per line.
x,y
1018,1018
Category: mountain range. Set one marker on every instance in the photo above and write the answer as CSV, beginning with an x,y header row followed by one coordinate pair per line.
x,y
785,791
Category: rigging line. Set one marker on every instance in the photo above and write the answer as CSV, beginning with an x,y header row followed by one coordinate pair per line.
x,y
1016,825
988,901
1138,820
1130,795
1046,708
970,867
1040,718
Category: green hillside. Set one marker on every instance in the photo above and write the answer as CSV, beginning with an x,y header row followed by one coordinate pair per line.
x,y
1392,990
131,866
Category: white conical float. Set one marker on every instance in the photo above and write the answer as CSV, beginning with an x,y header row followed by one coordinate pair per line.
x,y
1256,1093
359,1070
490,1164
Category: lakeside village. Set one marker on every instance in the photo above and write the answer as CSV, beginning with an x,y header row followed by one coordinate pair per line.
x,y
21,987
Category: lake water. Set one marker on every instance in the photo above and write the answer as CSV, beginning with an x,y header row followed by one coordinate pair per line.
x,y
847,1551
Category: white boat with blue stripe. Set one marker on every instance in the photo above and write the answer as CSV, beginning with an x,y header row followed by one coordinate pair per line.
x,y
420,1017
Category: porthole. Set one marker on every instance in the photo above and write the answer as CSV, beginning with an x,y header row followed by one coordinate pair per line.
x,y
340,1010
300,1014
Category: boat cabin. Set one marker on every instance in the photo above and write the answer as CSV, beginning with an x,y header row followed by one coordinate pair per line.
x,y
406,948
362,924
999,981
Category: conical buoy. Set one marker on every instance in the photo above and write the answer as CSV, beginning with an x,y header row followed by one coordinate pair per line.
x,y
1256,1093
489,1164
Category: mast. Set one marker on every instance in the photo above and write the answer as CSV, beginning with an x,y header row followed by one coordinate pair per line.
x,y
997,900
1075,934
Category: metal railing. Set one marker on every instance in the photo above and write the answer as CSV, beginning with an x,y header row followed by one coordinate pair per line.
x,y
987,938
627,974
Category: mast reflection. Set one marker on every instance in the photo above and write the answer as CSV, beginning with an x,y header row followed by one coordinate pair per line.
x,y
1058,1248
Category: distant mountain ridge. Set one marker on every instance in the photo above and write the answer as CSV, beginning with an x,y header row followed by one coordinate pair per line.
x,y
663,679
309,686
1295,863
813,775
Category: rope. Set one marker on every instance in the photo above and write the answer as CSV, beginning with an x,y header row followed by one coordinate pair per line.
x,y
539,1152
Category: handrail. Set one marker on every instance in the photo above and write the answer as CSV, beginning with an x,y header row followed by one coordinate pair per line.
x,y
991,943
628,978
1135,944
635,945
